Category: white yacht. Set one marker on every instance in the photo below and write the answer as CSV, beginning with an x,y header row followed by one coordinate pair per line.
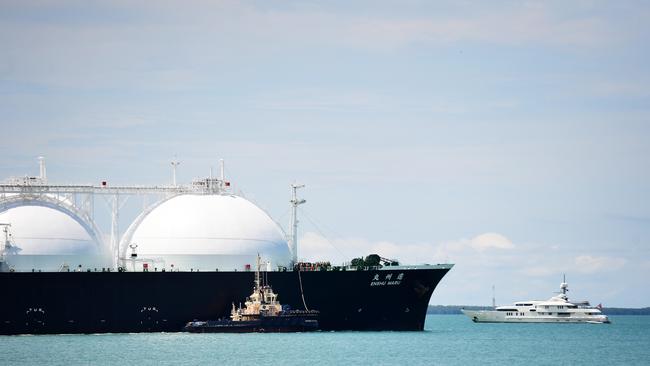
x,y
557,309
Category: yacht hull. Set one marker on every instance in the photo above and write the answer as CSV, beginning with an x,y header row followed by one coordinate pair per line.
x,y
487,316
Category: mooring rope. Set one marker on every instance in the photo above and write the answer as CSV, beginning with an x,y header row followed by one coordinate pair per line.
x,y
302,293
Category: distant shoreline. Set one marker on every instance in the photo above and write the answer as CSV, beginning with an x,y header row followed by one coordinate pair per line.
x,y
455,309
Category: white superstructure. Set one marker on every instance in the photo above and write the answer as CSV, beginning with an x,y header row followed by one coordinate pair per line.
x,y
557,309
263,301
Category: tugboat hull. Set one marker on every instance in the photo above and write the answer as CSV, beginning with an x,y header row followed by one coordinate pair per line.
x,y
274,324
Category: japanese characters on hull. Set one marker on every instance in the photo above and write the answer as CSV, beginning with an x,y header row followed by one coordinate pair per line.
x,y
387,280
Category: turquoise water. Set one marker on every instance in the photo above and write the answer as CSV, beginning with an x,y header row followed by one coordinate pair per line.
x,y
448,340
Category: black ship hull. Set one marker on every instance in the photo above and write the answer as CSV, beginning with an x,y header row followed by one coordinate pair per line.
x,y
114,302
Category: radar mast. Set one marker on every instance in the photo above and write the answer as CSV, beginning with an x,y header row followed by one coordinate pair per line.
x,y
293,240
175,163
564,286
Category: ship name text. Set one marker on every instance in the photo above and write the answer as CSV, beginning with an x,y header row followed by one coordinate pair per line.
x,y
387,280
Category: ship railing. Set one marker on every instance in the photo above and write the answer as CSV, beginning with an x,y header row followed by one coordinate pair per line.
x,y
300,312
315,267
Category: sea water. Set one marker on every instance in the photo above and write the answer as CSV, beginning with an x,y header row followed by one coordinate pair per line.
x,y
447,340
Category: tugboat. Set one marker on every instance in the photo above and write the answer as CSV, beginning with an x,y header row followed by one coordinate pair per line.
x,y
262,313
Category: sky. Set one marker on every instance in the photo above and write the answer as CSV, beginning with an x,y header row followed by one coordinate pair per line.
x,y
508,138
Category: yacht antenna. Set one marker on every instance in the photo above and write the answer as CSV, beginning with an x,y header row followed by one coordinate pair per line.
x,y
293,244
564,286
494,302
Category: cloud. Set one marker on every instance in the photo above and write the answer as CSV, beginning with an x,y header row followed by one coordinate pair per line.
x,y
479,262
174,47
314,247
510,27
491,240
591,264
540,271
645,265
520,270
531,22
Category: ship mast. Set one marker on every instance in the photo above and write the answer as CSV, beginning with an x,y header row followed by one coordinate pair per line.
x,y
293,240
564,286
42,171
257,275
6,246
175,163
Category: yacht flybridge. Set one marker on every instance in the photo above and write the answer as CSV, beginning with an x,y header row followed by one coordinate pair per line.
x,y
557,309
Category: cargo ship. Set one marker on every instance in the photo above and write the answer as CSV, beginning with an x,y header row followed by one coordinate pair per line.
x,y
187,256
